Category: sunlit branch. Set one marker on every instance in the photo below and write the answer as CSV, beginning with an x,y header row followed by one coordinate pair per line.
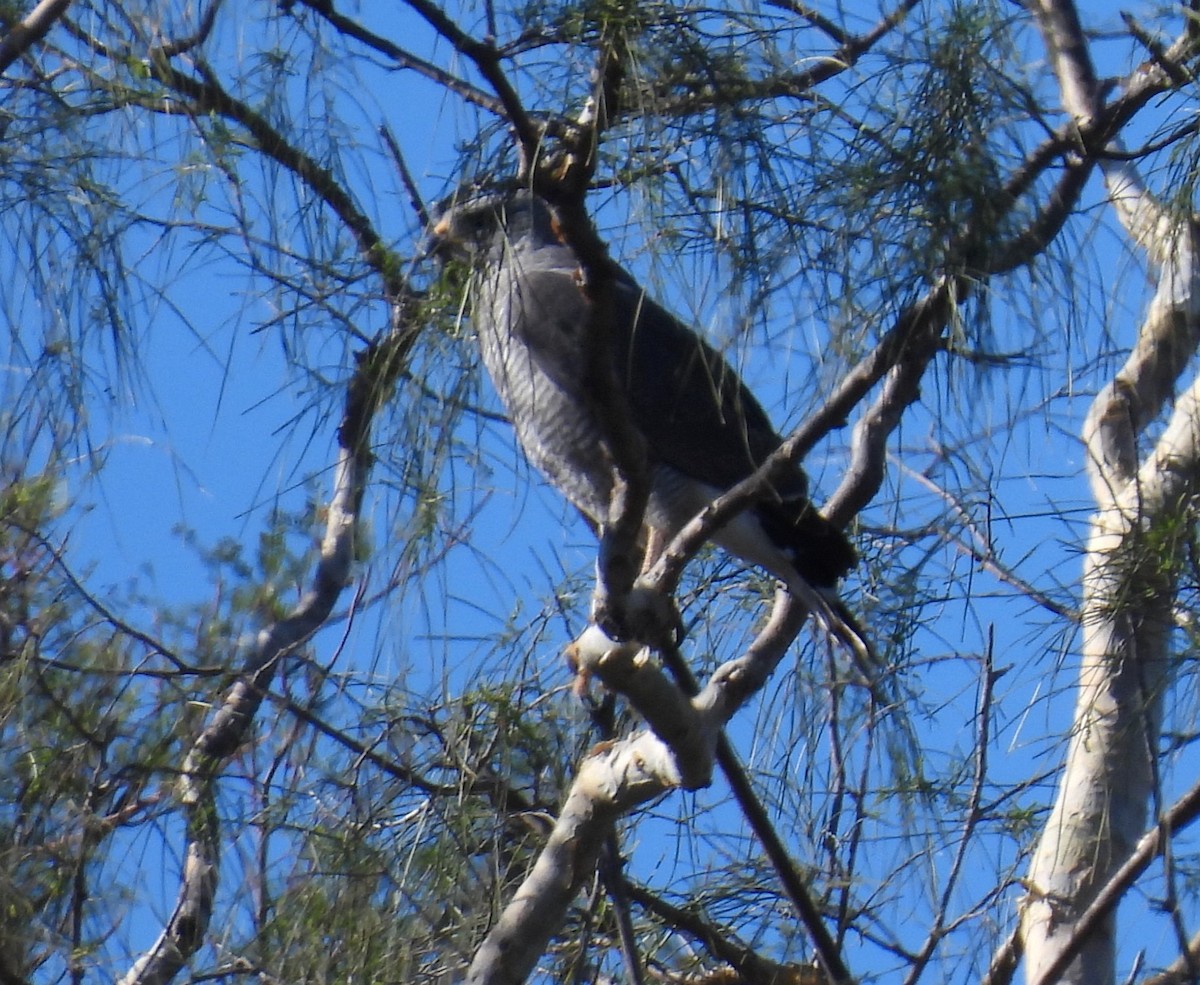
x,y
1005,960
1129,581
1181,815
28,31
1178,73
1088,137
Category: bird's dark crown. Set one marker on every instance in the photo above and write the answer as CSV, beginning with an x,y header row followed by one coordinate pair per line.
x,y
470,224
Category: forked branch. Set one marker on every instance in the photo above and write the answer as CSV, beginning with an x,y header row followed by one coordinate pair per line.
x,y
185,930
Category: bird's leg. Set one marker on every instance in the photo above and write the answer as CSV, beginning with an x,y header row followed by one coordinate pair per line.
x,y
644,614
664,625
656,542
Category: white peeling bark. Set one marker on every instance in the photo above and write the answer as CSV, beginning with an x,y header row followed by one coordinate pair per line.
x,y
1102,804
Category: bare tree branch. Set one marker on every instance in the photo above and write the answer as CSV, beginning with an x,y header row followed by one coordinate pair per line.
x,y
1152,844
185,930
1129,581
27,32
403,58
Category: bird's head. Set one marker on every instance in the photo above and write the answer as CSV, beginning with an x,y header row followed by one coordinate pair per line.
x,y
468,227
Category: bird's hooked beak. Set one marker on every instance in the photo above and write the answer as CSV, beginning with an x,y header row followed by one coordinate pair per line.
x,y
441,242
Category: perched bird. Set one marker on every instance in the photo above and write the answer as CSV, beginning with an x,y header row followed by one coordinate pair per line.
x,y
703,430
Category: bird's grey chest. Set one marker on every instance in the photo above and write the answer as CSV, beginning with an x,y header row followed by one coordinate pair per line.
x,y
531,335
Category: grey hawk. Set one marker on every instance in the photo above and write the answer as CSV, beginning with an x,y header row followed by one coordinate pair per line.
x,y
703,430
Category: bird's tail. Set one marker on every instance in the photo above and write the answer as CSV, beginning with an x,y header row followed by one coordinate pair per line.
x,y
840,623
818,550
837,620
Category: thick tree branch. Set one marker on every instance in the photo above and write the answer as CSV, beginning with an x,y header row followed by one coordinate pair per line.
x,y
1129,573
612,781
1152,844
28,31
1062,34
619,776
